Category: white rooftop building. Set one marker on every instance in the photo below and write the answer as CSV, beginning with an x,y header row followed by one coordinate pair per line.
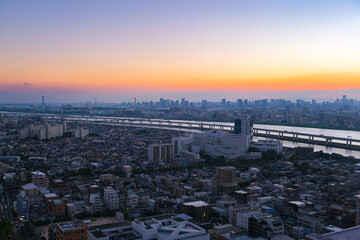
x,y
213,143
168,227
196,204
266,145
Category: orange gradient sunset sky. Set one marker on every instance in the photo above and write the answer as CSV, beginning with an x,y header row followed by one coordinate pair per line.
x,y
142,47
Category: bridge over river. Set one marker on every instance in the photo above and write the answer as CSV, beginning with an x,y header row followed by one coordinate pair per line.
x,y
340,141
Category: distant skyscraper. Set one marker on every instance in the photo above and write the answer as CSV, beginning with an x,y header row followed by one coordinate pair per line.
x,y
182,104
223,102
239,102
204,103
43,104
242,126
344,99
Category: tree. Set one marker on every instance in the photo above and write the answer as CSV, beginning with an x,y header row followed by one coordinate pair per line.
x,y
6,230
270,155
86,172
127,216
253,149
303,167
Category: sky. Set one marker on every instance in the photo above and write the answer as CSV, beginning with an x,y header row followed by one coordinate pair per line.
x,y
120,49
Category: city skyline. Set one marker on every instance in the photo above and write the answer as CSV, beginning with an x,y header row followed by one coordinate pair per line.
x,y
22,95
80,50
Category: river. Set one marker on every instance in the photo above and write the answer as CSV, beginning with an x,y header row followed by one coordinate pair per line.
x,y
317,131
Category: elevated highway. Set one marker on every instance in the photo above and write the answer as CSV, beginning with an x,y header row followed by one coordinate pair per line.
x,y
197,126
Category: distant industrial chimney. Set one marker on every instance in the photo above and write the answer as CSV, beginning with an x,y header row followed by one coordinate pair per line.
x,y
43,104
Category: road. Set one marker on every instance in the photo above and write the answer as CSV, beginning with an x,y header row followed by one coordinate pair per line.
x,y
5,208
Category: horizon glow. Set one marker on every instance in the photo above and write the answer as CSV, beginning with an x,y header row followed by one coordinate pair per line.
x,y
133,46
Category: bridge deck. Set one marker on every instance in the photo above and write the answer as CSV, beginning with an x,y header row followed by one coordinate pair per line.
x,y
194,125
306,135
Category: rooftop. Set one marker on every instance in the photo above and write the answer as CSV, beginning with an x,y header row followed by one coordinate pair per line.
x,y
109,225
38,173
298,203
185,229
50,195
71,225
196,204
58,201
349,233
29,186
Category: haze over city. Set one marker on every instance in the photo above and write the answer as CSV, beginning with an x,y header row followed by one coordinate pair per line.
x,y
77,50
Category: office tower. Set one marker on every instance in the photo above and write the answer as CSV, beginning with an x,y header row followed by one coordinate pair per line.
x,y
182,104
239,102
223,102
242,126
246,102
162,102
204,103
43,104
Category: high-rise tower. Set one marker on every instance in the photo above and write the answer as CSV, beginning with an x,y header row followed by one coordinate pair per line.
x,y
242,126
